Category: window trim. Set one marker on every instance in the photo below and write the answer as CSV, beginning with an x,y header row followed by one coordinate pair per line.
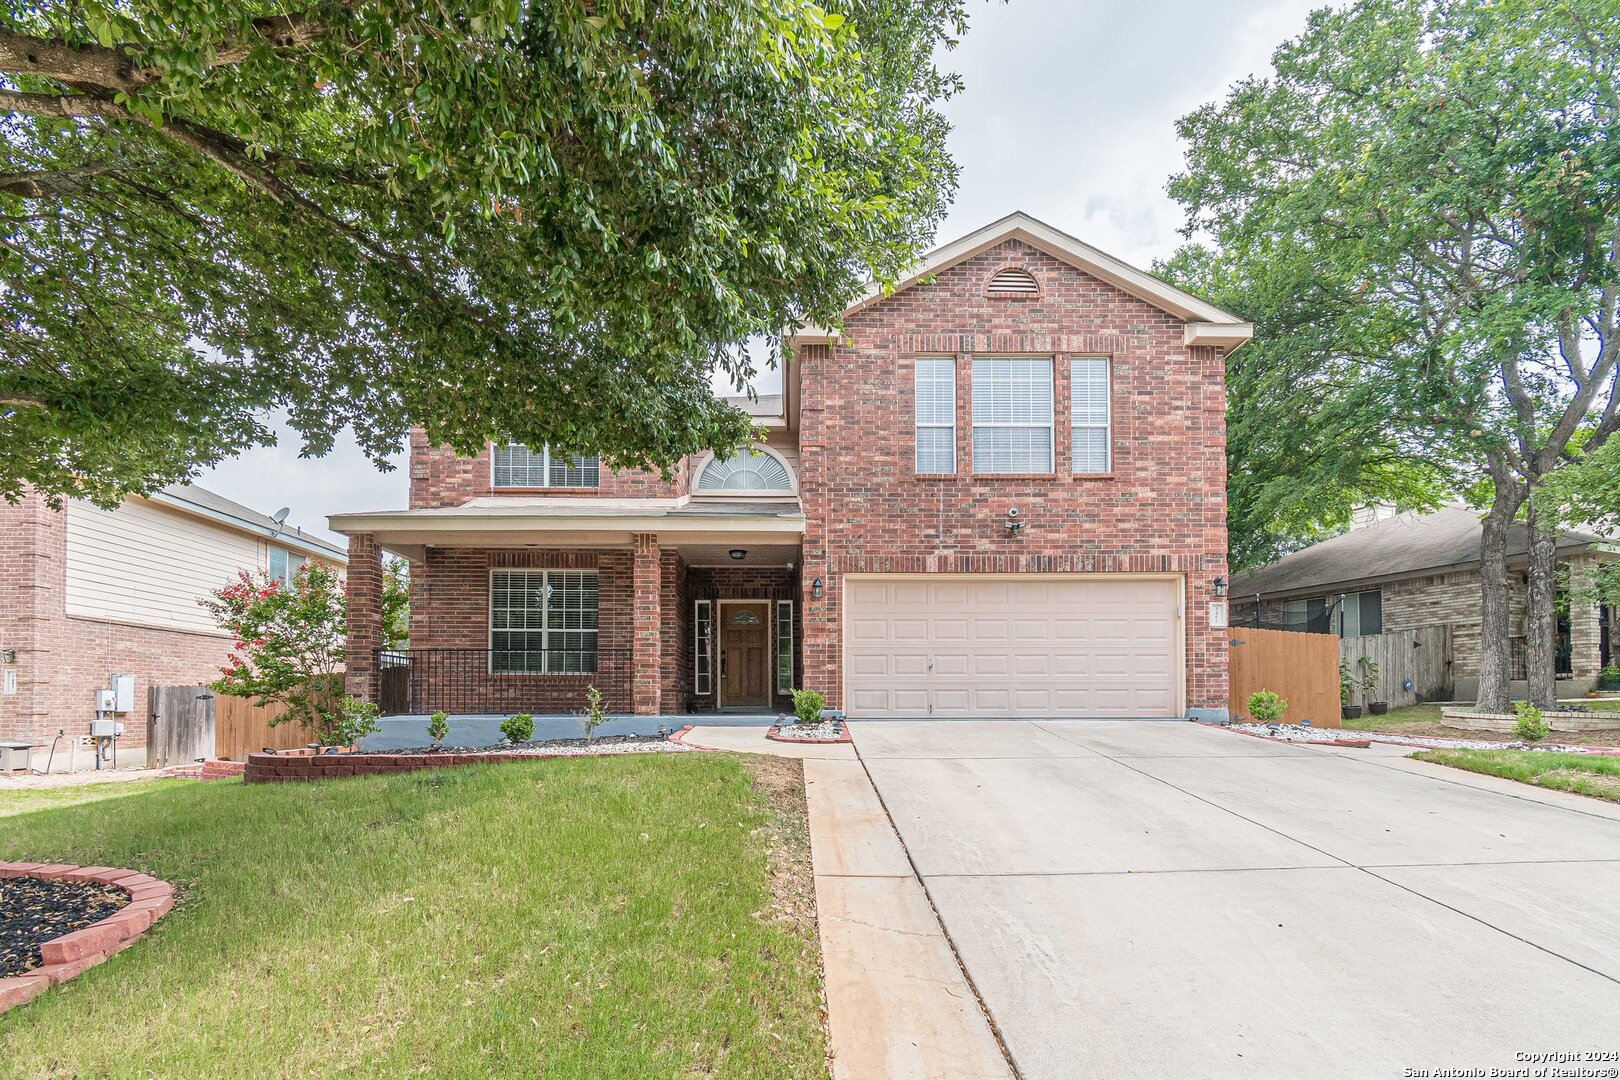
x,y
1050,425
702,648
1107,426
545,467
784,639
545,630
918,426
294,563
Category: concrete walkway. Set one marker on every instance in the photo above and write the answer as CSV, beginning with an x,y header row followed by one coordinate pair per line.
x,y
898,1005
1156,899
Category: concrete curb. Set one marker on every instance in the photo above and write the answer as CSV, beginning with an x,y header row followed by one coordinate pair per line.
x,y
66,956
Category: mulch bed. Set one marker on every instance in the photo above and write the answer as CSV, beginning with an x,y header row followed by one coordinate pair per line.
x,y
598,743
33,911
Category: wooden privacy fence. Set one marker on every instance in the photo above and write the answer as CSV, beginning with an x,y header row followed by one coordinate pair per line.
x,y
189,723
1302,668
1421,657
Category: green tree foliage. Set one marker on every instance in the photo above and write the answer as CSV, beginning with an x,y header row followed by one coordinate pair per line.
x,y
396,603
551,219
1437,186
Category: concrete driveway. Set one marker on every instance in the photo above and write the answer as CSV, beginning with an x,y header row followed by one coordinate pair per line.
x,y
1157,899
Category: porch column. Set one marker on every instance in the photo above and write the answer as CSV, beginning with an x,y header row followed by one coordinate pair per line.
x,y
646,635
1585,631
364,617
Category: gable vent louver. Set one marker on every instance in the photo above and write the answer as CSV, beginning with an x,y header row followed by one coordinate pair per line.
x,y
1013,282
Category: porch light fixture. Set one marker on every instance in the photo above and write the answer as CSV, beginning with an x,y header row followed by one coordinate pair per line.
x,y
1220,586
738,553
1015,524
815,589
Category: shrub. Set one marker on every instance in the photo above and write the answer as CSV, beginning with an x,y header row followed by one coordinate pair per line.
x,y
519,727
1609,677
1266,707
354,721
592,717
807,705
1530,726
439,726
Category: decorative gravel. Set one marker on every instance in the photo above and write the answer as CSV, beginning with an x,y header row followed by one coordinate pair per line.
x,y
820,732
33,911
1296,733
606,744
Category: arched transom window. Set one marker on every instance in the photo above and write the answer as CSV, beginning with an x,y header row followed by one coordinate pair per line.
x,y
748,470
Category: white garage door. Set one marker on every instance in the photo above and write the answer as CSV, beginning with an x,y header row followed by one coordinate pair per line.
x,y
1011,645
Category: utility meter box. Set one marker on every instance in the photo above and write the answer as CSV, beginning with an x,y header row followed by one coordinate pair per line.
x,y
123,687
103,729
106,699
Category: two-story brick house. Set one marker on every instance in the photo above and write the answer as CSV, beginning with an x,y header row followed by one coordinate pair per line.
x,y
999,491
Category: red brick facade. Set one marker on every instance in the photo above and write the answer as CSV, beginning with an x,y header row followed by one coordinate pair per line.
x,y
61,659
1161,509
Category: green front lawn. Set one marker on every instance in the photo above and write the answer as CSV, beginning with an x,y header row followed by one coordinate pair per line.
x,y
1587,774
632,916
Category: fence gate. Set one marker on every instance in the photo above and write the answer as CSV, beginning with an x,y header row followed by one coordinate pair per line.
x,y
1302,668
180,725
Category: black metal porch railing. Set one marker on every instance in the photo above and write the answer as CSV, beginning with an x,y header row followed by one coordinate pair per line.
x,y
500,680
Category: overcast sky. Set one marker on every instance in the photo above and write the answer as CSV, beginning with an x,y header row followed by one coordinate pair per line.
x,y
1068,114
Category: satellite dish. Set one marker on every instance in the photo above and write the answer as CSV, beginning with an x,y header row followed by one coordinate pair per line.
x,y
281,515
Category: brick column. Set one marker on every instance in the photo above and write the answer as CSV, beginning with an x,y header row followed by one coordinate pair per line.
x,y
365,617
1585,631
646,636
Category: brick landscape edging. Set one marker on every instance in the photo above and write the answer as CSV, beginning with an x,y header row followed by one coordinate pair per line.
x,y
66,956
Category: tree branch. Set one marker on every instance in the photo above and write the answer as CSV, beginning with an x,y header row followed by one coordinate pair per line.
x,y
51,184
60,106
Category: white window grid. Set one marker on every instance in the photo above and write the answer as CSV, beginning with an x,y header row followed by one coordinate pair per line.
x,y
784,646
1012,414
703,647
747,470
1090,415
543,622
935,415
513,465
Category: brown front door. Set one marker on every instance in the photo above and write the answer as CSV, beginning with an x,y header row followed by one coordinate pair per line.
x,y
745,655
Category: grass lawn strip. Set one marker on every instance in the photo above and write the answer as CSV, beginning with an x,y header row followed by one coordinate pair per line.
x,y
1584,774
1424,720
629,916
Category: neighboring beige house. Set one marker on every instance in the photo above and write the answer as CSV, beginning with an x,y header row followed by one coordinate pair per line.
x,y
1401,572
86,594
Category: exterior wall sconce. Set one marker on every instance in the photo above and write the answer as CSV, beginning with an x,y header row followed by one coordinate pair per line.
x,y
815,589
1015,524
1220,586
738,553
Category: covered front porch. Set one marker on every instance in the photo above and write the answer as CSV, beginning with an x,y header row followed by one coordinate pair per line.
x,y
667,610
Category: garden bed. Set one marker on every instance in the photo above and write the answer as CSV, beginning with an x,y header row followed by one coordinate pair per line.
x,y
305,765
58,920
1557,719
826,731
1330,736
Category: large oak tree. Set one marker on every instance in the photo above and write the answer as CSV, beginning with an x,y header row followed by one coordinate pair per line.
x,y
553,219
1441,183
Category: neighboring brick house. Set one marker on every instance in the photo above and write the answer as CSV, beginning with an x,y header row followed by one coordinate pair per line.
x,y
1394,573
999,491
87,593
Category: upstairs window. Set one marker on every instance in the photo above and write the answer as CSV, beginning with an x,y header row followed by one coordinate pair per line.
x,y
747,470
1089,440
1012,415
517,466
935,415
284,565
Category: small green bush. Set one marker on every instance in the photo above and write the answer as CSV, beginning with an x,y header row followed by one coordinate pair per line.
x,y
439,726
1609,677
355,720
1265,707
592,717
807,705
1530,726
519,727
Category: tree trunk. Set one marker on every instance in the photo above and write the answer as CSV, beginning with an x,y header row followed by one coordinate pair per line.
x,y
1541,620
1495,653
